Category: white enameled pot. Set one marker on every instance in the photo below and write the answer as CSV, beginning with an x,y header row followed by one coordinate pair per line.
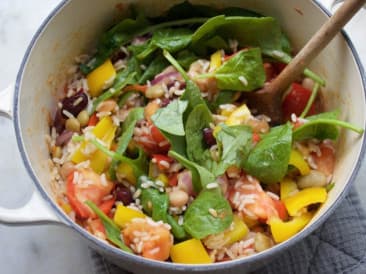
x,y
74,26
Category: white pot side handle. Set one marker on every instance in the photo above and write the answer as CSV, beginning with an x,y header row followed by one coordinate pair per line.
x,y
35,211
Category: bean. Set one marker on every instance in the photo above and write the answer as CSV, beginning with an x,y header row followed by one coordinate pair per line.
x,y
66,169
261,242
107,106
59,122
208,136
72,124
83,118
178,197
314,179
75,104
155,91
123,194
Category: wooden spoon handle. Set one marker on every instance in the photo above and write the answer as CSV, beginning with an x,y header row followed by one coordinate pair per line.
x,y
312,48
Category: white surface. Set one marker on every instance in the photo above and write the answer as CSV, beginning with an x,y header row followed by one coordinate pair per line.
x,y
51,249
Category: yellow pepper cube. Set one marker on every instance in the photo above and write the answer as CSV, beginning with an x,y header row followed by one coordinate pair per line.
x,y
215,60
101,78
124,215
190,252
303,198
298,161
239,116
124,170
281,231
237,231
163,178
287,188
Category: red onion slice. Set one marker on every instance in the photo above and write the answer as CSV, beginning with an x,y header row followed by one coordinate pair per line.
x,y
64,137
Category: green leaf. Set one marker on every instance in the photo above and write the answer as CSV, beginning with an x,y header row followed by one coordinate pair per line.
x,y
156,204
177,143
268,160
124,97
223,97
192,94
198,119
323,126
200,175
243,72
113,232
263,32
155,67
199,222
172,40
235,143
170,118
133,117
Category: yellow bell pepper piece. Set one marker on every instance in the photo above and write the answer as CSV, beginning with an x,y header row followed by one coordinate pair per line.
x,y
287,188
124,215
237,232
239,116
124,170
297,160
105,131
163,178
190,252
66,207
99,78
215,60
304,198
281,231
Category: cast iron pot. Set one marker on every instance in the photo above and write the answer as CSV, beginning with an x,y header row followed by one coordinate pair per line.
x,y
74,26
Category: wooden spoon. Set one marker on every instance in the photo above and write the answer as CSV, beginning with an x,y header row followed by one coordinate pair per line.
x,y
268,100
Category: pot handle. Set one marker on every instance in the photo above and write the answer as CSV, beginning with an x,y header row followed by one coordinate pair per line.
x,y
35,211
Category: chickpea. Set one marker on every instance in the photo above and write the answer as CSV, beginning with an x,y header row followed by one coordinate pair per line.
x,y
262,242
178,198
83,118
106,106
155,91
72,124
66,169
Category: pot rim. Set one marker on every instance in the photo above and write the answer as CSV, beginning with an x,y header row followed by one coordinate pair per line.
x,y
267,254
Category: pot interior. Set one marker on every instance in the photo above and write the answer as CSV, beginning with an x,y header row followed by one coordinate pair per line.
x,y
75,28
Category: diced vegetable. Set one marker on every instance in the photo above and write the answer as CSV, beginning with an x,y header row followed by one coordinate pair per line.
x,y
163,178
298,161
304,198
124,215
281,231
190,252
100,78
125,171
262,242
105,132
215,61
239,116
287,188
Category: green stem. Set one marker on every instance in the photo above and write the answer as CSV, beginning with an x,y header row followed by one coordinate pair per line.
x,y
175,64
313,95
204,75
333,122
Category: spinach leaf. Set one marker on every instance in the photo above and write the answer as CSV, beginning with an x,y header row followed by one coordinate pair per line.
x,y
263,32
124,97
200,175
198,119
185,58
170,118
113,232
156,205
235,143
117,36
199,222
133,117
268,161
177,143
192,94
323,126
243,72
172,40
154,68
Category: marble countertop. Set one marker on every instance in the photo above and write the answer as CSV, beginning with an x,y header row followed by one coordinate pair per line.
x,y
47,248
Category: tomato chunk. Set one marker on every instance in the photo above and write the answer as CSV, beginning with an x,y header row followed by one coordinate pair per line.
x,y
87,186
295,101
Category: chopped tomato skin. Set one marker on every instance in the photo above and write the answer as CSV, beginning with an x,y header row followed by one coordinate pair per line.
x,y
90,188
153,143
295,101
93,120
281,209
325,161
173,179
158,158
